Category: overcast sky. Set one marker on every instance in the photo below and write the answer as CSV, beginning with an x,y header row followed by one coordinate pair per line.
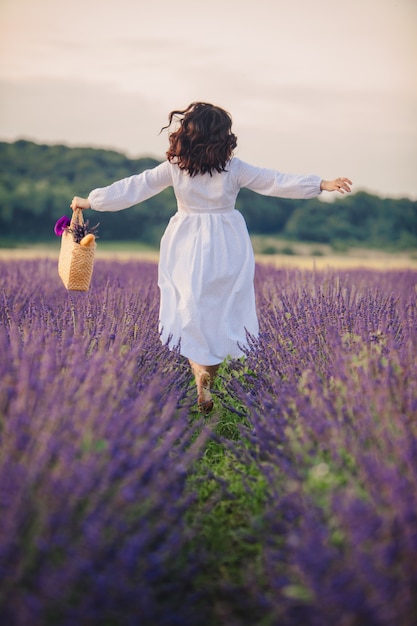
x,y
313,86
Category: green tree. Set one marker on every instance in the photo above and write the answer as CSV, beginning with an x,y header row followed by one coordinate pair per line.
x,y
38,181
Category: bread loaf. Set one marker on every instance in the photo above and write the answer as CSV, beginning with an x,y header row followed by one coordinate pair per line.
x,y
88,240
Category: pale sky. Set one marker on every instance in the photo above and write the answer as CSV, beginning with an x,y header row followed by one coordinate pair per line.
x,y
314,86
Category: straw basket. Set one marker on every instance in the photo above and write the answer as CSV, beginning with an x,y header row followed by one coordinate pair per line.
x,y
75,265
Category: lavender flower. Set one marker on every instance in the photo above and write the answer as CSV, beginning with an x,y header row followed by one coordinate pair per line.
x,y
79,231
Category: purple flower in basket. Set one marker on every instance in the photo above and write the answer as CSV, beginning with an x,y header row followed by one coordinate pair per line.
x,y
61,225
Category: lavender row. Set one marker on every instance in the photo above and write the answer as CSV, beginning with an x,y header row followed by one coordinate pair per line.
x,y
95,452
332,405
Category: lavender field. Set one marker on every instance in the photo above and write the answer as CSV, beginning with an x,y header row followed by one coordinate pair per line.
x,y
293,504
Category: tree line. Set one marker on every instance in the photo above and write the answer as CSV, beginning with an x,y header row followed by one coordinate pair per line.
x,y
37,183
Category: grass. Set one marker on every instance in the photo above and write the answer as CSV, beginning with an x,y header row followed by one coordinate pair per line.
x,y
230,529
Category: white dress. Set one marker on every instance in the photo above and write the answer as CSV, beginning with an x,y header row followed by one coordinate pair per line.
x,y
206,263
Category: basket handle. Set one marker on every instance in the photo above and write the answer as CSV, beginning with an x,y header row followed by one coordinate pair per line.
x,y
77,217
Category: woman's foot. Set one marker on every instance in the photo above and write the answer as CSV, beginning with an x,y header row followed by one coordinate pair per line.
x,y
204,400
204,377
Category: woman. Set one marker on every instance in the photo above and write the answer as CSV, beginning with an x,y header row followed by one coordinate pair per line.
x,y
206,266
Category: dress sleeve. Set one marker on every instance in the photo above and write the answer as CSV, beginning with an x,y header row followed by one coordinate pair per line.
x,y
270,182
130,191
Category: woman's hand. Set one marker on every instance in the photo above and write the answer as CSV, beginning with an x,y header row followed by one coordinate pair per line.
x,y
339,184
80,203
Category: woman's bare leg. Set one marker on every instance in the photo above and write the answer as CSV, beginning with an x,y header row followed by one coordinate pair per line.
x,y
204,376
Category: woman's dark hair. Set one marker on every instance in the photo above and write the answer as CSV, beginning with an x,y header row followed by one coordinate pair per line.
x,y
204,141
